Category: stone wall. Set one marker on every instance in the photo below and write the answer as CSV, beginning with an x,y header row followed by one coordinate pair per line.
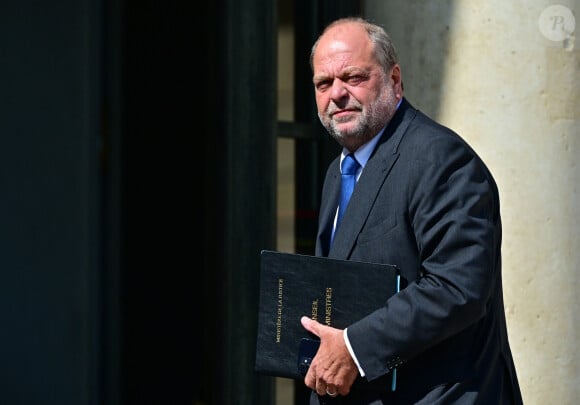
x,y
506,76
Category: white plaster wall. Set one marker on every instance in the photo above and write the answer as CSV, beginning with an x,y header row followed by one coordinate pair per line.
x,y
484,68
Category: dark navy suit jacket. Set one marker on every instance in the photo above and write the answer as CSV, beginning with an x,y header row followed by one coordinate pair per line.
x,y
426,203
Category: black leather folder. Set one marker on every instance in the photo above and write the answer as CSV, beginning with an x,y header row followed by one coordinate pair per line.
x,y
333,292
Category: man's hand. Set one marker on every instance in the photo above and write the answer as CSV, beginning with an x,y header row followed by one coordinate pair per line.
x,y
332,369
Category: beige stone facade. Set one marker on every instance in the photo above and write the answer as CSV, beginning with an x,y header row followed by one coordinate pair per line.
x,y
506,76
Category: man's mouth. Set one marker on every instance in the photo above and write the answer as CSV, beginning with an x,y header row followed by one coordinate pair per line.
x,y
342,114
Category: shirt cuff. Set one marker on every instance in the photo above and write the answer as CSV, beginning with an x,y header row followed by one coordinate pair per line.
x,y
349,347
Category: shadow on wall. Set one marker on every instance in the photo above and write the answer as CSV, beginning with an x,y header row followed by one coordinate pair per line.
x,y
405,22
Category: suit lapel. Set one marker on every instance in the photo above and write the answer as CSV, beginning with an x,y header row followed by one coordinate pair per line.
x,y
328,206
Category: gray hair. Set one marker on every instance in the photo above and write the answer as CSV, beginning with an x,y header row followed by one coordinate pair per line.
x,y
384,48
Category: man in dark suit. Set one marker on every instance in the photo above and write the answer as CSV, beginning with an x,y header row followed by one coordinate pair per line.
x,y
425,202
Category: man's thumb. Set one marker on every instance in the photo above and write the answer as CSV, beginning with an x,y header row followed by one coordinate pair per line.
x,y
310,325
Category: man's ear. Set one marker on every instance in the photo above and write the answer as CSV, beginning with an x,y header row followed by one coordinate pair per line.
x,y
397,78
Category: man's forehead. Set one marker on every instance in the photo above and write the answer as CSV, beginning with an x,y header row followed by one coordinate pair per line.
x,y
343,59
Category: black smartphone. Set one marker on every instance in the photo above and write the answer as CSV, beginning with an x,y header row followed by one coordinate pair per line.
x,y
306,352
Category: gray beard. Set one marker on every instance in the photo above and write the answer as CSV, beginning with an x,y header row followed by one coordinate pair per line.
x,y
371,121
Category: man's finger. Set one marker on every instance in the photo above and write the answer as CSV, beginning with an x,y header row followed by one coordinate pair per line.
x,y
310,325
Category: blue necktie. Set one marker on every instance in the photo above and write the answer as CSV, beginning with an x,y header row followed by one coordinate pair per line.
x,y
349,168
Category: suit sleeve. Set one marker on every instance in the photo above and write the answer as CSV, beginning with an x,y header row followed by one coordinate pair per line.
x,y
448,204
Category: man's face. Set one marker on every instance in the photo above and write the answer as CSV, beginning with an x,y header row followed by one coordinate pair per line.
x,y
354,96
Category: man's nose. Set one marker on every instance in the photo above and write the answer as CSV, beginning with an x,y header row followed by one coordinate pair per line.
x,y
339,91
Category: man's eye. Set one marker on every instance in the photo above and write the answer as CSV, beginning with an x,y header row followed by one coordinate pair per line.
x,y
355,79
323,85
